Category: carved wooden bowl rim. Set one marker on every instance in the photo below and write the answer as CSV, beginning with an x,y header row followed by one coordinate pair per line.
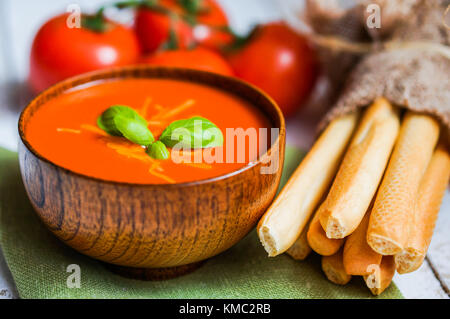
x,y
154,72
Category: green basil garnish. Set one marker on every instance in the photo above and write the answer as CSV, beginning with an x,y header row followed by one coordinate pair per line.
x,y
106,120
120,120
134,131
158,151
195,132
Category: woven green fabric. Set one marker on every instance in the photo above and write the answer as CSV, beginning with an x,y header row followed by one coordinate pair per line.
x,y
38,261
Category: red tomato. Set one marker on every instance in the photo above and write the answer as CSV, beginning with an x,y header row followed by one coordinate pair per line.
x,y
207,26
199,58
280,62
59,52
211,23
212,37
153,28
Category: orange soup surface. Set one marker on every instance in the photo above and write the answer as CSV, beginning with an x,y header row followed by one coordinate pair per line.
x,y
65,131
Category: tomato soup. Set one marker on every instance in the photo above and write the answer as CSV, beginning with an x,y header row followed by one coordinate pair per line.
x,y
64,130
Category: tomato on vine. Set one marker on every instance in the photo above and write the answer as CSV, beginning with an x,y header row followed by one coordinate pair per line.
x,y
279,61
59,51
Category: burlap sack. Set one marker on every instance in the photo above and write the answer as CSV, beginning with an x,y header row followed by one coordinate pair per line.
x,y
410,66
413,79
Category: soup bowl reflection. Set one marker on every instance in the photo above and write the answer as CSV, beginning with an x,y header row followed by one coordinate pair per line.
x,y
151,225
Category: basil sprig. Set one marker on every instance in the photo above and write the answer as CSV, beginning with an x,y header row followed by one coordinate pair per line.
x,y
120,120
134,131
158,151
192,133
195,132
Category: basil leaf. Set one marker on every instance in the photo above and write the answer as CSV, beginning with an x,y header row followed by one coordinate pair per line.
x,y
195,132
103,127
106,120
133,130
158,151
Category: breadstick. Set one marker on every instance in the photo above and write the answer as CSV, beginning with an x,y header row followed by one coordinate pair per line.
x,y
300,249
359,258
431,191
381,278
285,219
318,240
333,268
361,170
390,221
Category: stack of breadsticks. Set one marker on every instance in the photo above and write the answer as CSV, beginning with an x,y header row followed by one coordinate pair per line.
x,y
366,197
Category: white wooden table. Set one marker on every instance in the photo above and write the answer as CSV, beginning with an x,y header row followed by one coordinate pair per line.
x,y
20,19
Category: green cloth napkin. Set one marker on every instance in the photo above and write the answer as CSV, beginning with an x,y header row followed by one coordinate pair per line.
x,y
38,261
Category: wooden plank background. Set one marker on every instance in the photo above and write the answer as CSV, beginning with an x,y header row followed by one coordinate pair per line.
x,y
19,20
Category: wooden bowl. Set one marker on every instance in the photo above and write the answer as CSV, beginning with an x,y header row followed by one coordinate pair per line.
x,y
151,225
